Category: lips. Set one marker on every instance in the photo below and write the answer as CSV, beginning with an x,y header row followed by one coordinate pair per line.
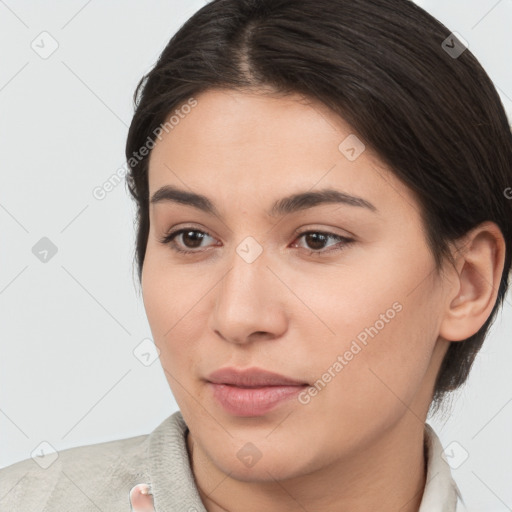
x,y
251,378
252,392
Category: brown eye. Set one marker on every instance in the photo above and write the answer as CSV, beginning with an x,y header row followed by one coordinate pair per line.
x,y
190,239
316,241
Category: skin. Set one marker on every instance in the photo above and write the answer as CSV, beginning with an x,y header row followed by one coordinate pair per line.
x,y
358,444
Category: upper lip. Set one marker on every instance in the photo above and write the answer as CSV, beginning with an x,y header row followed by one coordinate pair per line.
x,y
251,377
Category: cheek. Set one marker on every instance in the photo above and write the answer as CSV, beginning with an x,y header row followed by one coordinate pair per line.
x,y
381,333
381,381
171,301
171,305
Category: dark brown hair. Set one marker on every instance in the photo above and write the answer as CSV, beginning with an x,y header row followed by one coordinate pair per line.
x,y
433,117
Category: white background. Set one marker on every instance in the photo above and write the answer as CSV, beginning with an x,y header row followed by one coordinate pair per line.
x,y
68,327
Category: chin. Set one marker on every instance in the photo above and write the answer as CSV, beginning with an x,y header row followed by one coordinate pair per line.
x,y
259,464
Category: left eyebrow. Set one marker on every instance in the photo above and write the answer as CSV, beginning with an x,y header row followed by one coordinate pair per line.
x,y
304,200
283,206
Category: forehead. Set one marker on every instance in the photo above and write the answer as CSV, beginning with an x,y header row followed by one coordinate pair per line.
x,y
226,118
261,145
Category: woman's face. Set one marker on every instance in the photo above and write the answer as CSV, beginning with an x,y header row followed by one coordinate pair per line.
x,y
356,322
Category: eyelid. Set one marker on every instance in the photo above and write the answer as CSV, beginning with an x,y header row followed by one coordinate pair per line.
x,y
330,230
172,234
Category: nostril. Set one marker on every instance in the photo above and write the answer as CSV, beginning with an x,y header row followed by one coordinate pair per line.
x,y
141,498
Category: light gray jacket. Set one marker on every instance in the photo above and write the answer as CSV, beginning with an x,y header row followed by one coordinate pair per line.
x,y
99,477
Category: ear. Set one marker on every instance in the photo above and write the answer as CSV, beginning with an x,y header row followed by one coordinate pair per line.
x,y
472,294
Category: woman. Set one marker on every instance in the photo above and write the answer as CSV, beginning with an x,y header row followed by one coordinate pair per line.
x,y
323,240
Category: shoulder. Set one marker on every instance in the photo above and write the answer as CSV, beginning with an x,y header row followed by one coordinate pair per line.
x,y
74,478
100,476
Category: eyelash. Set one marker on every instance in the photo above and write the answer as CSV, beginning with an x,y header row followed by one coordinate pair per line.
x,y
169,240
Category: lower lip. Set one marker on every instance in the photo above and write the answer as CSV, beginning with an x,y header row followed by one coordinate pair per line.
x,y
252,401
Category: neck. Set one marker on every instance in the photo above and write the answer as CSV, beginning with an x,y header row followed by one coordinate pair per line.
x,y
388,474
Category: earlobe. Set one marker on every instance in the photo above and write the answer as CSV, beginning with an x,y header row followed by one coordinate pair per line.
x,y
479,270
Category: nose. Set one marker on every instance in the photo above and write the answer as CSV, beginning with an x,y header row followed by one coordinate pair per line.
x,y
249,302
141,498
